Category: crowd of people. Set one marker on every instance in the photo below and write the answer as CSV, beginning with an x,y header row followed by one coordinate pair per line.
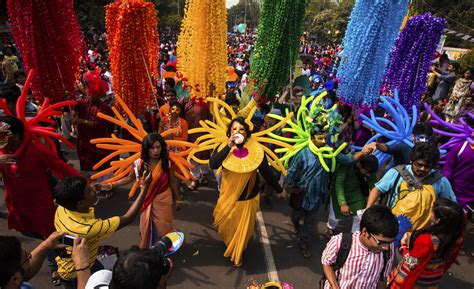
x,y
47,198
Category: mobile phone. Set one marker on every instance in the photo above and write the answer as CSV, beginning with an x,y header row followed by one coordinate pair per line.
x,y
68,240
143,169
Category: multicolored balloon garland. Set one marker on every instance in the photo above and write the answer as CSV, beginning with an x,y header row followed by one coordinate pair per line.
x,y
202,47
301,128
132,38
400,127
458,132
370,34
278,41
50,42
411,58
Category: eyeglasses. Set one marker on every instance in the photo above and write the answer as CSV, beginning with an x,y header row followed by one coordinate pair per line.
x,y
380,243
28,258
422,165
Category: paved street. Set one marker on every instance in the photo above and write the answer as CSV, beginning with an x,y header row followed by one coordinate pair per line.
x,y
200,264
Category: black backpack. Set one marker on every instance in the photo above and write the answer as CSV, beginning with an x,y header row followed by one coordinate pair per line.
x,y
342,255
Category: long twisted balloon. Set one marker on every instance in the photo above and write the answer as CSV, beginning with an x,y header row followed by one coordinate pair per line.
x,y
302,132
33,129
123,167
400,126
458,132
215,134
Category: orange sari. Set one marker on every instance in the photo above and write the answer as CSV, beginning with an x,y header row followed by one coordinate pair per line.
x,y
156,219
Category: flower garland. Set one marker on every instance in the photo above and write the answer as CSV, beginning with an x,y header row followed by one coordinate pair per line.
x,y
202,47
278,41
132,37
50,41
399,129
411,58
370,34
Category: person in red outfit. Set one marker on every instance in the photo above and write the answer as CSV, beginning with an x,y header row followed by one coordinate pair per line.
x,y
89,124
26,178
28,194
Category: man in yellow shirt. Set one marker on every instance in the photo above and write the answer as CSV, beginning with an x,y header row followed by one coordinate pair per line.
x,y
75,216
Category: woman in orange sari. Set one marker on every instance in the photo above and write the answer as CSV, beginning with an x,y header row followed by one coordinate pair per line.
x,y
156,217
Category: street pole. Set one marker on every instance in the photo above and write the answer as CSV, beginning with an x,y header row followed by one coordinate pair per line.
x,y
245,15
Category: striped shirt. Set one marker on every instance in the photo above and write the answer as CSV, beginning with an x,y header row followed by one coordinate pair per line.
x,y
362,267
84,225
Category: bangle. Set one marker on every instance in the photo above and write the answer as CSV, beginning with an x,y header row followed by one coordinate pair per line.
x,y
83,269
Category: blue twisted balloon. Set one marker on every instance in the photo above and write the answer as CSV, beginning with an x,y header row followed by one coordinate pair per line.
x,y
371,32
401,125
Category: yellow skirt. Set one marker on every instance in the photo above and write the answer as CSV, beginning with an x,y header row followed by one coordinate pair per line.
x,y
235,220
238,227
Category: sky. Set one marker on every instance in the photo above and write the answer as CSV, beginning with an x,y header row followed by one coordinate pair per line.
x,y
230,3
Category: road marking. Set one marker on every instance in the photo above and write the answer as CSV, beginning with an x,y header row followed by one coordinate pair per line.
x,y
272,273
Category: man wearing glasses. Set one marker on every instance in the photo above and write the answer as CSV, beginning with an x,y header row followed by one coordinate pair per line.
x,y
18,265
424,157
365,265
411,190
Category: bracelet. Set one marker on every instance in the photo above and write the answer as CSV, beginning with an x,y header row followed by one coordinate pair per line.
x,y
83,269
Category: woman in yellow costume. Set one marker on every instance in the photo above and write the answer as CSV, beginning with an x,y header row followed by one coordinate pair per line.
x,y
239,155
150,153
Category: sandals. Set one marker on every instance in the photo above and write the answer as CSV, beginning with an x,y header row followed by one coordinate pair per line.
x,y
305,251
55,279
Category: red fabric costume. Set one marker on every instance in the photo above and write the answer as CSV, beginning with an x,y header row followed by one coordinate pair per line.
x,y
88,153
28,195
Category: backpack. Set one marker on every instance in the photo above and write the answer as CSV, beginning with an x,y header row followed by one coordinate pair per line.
x,y
343,253
415,199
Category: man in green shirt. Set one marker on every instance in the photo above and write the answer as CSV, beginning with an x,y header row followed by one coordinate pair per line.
x,y
349,190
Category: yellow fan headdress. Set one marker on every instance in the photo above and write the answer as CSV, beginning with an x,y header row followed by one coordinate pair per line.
x,y
215,137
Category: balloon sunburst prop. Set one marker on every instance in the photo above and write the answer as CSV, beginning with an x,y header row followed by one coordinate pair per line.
x,y
458,132
33,129
302,131
215,136
119,146
400,129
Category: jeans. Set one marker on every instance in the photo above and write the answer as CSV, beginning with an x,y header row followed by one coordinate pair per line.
x,y
309,220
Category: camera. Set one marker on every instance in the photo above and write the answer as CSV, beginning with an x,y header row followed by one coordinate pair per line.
x,y
169,243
